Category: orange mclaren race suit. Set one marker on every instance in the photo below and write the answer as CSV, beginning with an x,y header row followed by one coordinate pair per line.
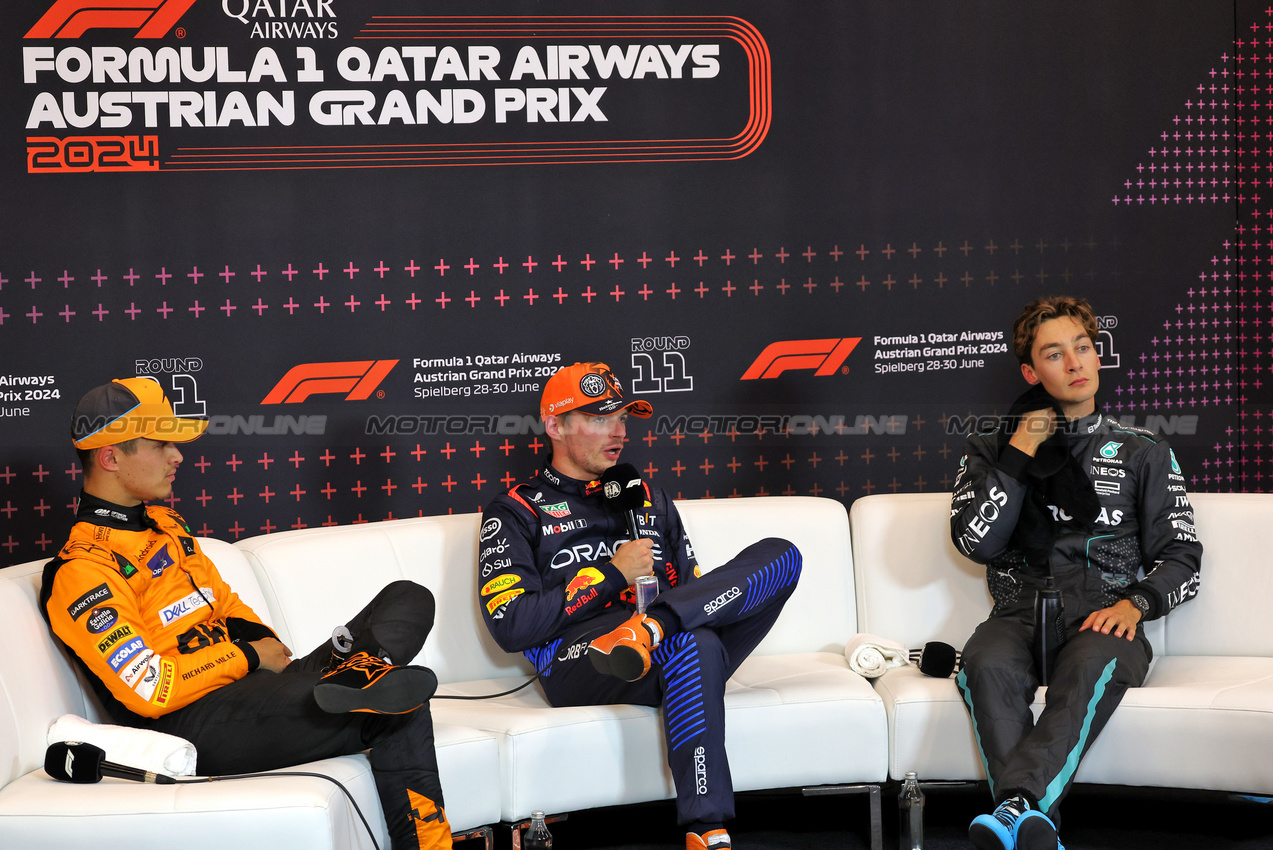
x,y
547,588
1139,545
167,646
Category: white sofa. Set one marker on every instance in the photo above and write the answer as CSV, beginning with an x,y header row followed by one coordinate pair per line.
x,y
38,684
1203,719
797,716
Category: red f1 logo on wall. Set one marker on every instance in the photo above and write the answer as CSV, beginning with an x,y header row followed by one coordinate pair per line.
x,y
823,355
358,378
71,18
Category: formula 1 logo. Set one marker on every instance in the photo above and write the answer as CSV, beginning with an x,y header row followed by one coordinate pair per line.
x,y
72,18
358,378
824,356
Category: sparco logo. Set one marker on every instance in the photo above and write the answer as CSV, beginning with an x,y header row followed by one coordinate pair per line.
x,y
700,771
825,356
357,378
721,601
71,18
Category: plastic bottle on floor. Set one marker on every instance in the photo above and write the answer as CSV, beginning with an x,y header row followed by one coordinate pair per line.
x,y
910,811
537,835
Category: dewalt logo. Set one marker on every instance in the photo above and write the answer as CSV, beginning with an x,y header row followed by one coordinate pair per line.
x,y
823,356
358,379
72,18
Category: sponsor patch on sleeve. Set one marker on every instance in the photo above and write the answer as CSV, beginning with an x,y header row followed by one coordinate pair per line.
x,y
126,651
121,631
86,602
167,674
101,619
144,666
503,599
499,583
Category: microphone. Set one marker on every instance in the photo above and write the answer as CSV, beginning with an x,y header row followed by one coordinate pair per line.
x,y
621,486
73,761
937,659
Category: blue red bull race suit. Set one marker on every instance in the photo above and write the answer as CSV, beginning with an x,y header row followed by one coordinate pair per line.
x,y
547,589
1142,543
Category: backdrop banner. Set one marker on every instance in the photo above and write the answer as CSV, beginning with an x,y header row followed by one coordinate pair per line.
x,y
358,237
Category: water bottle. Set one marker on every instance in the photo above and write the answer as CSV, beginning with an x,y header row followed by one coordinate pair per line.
x,y
537,835
1049,629
910,813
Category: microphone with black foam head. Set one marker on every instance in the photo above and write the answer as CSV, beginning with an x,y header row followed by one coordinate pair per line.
x,y
621,486
73,761
938,659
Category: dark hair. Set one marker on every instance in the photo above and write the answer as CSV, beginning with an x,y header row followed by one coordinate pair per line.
x,y
1041,310
128,447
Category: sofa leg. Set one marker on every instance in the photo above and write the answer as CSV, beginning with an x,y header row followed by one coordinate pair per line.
x,y
483,832
877,820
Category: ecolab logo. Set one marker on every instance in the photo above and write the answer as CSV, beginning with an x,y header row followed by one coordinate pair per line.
x,y
72,18
824,356
358,378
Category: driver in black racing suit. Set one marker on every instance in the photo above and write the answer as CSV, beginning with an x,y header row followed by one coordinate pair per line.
x,y
1071,493
556,565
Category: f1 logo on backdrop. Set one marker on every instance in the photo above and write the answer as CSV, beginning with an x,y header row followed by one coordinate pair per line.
x,y
72,18
825,356
358,378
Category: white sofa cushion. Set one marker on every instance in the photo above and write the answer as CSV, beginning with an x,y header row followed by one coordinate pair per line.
x,y
821,614
1193,724
795,681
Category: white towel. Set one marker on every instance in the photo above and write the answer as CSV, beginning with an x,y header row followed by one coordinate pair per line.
x,y
870,656
157,752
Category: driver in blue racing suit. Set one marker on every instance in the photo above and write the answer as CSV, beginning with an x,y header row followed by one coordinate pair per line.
x,y
557,567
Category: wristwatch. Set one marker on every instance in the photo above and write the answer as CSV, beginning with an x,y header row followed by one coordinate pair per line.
x,y
1141,602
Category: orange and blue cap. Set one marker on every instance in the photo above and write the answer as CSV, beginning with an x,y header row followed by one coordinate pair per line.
x,y
588,388
126,409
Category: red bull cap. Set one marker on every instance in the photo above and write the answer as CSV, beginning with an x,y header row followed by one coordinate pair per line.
x,y
590,388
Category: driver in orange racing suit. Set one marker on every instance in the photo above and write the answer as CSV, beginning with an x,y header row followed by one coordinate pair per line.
x,y
168,645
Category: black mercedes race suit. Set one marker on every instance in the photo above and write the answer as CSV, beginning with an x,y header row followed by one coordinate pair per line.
x,y
547,589
166,645
1142,542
